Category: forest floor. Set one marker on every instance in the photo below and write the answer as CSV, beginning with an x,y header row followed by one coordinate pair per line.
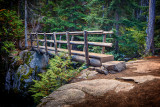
x,y
143,94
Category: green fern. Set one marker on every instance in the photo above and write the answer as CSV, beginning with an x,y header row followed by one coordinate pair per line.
x,y
60,72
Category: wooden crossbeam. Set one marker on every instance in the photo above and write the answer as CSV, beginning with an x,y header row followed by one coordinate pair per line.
x,y
78,33
79,43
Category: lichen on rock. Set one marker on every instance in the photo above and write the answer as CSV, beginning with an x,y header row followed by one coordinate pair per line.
x,y
20,75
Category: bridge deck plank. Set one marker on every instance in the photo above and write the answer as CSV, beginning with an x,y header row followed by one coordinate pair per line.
x,y
102,57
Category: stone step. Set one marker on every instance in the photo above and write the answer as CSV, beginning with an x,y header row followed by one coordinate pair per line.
x,y
114,66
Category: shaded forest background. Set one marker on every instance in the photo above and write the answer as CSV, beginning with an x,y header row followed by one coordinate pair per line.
x,y
127,18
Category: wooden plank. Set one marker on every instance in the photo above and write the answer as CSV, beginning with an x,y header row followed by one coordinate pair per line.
x,y
37,41
76,33
79,32
81,43
45,38
68,43
95,32
108,32
86,48
104,41
55,42
81,53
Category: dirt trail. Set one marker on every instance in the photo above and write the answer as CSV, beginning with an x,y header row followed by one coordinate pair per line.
x,y
144,94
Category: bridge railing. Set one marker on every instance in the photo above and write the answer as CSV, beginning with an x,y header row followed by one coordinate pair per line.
x,y
53,40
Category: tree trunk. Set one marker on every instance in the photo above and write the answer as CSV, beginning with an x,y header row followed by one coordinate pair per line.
x,y
26,43
117,32
150,35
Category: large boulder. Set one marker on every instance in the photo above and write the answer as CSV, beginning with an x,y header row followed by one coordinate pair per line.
x,y
116,66
70,96
75,92
19,77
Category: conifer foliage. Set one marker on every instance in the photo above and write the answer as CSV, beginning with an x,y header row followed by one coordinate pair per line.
x,y
60,72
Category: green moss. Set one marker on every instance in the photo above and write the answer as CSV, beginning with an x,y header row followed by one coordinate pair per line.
x,y
18,74
28,74
27,57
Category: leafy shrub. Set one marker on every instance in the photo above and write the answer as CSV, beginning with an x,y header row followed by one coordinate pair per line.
x,y
60,72
132,42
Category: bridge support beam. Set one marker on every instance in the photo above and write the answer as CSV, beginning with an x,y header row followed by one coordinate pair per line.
x,y
86,48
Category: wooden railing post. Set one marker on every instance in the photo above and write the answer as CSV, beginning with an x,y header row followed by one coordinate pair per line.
x,y
37,41
72,38
55,42
68,43
31,41
45,38
60,40
104,40
51,44
86,48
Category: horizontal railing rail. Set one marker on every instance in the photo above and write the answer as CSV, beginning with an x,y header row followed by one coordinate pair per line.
x,y
53,41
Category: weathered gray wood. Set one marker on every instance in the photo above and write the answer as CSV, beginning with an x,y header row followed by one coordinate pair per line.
x,y
86,48
68,43
60,40
51,44
108,32
104,41
81,43
95,32
76,33
79,33
45,38
103,57
72,38
93,61
55,42
37,41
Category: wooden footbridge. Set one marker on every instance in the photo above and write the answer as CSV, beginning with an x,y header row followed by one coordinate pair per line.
x,y
49,46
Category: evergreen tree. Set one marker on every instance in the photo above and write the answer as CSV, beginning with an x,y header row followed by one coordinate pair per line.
x,y
150,36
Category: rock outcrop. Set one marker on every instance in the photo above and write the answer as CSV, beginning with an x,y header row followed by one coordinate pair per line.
x,y
75,92
139,79
24,68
